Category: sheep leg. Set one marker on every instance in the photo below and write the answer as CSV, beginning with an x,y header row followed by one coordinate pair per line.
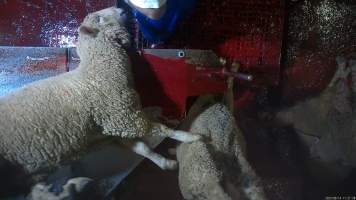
x,y
182,136
142,149
352,63
341,72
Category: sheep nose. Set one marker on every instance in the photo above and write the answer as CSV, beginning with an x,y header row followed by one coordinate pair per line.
x,y
121,13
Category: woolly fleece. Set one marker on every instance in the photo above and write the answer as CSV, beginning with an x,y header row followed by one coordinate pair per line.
x,y
49,122
217,169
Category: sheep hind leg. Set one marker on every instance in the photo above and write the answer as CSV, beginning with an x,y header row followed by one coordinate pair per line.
x,y
140,148
144,150
182,136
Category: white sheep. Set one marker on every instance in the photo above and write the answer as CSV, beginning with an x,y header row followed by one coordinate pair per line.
x,y
49,122
326,126
217,169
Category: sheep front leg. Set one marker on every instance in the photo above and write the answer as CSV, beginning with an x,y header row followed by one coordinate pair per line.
x,y
341,94
352,63
144,150
182,136
140,148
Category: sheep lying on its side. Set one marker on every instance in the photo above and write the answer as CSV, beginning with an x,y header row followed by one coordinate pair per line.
x,y
51,121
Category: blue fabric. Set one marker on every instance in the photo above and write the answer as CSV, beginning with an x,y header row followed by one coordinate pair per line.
x,y
158,31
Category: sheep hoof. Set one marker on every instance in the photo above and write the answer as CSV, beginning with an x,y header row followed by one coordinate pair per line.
x,y
169,165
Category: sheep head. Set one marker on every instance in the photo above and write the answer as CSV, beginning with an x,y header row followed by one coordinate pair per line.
x,y
108,23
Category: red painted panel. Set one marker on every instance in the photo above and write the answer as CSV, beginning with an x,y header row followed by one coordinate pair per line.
x,y
163,83
44,23
248,31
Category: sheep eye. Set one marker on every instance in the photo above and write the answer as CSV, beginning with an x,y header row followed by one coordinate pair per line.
x,y
100,19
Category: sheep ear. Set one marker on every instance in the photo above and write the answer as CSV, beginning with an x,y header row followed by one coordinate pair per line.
x,y
92,32
124,43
